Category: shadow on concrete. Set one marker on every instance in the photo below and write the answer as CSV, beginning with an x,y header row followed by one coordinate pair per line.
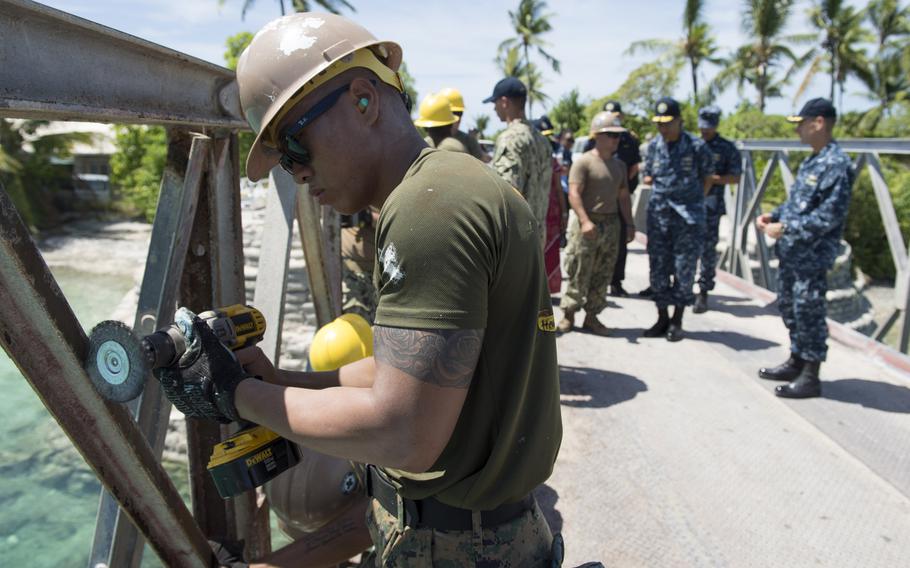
x,y
870,394
732,339
738,307
546,499
584,387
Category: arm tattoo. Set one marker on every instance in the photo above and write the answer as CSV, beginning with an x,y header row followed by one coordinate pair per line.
x,y
444,358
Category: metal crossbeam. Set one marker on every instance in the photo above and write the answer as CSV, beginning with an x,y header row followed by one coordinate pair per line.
x,y
881,145
56,66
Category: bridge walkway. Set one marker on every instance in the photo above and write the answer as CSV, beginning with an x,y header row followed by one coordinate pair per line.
x,y
677,454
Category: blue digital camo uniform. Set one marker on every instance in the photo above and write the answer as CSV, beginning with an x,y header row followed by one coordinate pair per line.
x,y
727,161
676,215
813,217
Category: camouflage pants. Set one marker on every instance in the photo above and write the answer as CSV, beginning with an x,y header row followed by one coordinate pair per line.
x,y
802,304
709,253
522,542
590,264
358,293
673,250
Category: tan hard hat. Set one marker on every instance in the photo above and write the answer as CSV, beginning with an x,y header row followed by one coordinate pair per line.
x,y
314,492
290,57
435,110
455,98
606,122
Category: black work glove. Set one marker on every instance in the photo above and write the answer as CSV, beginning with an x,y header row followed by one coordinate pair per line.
x,y
202,386
229,554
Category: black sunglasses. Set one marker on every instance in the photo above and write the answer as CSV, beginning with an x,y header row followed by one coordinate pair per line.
x,y
611,134
292,151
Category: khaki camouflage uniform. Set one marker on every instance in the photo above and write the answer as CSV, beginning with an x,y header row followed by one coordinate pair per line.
x,y
358,245
524,542
589,263
523,157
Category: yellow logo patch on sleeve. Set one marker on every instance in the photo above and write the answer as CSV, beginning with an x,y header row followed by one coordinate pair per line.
x,y
546,321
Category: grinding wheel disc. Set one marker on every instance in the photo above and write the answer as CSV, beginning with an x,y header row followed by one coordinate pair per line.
x,y
115,362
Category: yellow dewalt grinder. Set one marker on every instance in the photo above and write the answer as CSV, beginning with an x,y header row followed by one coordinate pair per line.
x,y
119,362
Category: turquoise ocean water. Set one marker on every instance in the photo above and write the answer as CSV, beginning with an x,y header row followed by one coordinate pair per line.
x,y
48,495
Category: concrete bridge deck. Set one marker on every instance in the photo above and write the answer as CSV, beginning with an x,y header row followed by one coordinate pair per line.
x,y
678,455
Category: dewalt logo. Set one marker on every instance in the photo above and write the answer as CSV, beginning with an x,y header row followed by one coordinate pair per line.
x,y
259,458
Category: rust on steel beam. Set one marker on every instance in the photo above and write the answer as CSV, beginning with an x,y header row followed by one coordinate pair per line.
x,y
42,336
94,73
249,512
180,187
213,277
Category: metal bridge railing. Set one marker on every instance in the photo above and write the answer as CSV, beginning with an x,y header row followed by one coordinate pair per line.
x,y
57,66
746,205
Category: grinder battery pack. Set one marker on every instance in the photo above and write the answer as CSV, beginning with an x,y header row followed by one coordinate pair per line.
x,y
248,459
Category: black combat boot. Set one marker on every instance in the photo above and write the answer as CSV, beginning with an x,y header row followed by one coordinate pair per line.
x,y
787,371
646,293
659,328
806,385
675,330
701,303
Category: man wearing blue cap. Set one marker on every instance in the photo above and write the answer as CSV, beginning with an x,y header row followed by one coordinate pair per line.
x,y
523,156
678,166
808,228
727,169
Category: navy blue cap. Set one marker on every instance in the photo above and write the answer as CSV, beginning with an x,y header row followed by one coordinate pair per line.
x,y
708,117
543,125
665,110
816,107
613,106
510,87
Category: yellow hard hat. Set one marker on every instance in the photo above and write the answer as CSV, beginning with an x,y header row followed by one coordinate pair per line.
x,y
435,110
455,99
347,339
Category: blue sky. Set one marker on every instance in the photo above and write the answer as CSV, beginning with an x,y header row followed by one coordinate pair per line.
x,y
454,43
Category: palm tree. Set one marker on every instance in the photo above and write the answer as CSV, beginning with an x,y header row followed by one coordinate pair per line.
x,y
754,63
840,32
299,6
529,23
887,82
511,64
889,20
695,46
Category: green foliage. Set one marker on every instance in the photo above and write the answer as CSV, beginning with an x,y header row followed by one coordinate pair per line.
x,y
407,80
235,45
333,6
865,231
696,46
529,22
756,62
638,94
568,113
137,166
28,172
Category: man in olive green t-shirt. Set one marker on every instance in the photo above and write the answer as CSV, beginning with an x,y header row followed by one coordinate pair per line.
x,y
598,194
459,408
